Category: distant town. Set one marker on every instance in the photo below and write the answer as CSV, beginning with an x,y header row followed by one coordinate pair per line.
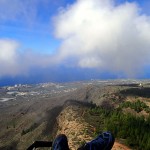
x,y
11,93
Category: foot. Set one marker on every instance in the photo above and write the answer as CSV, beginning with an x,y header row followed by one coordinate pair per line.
x,y
104,141
60,143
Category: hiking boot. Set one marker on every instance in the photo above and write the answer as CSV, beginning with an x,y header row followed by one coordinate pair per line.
x,y
60,143
104,141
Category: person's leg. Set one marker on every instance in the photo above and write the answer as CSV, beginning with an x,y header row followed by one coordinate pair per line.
x,y
60,143
104,141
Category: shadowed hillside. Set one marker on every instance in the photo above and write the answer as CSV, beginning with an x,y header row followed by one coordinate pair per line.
x,y
142,92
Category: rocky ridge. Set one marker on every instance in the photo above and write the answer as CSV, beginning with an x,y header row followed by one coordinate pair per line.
x,y
71,122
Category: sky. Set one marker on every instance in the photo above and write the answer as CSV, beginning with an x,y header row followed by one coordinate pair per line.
x,y
73,40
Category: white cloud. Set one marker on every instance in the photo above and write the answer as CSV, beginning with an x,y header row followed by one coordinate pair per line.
x,y
95,34
8,57
101,34
8,50
14,61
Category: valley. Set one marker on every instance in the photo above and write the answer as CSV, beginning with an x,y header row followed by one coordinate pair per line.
x,y
30,112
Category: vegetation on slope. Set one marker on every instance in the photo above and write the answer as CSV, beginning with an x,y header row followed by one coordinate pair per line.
x,y
138,106
133,129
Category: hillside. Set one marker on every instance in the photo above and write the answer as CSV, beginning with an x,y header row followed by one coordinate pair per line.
x,y
122,109
72,123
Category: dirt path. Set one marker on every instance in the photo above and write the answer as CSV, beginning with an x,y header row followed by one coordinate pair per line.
x,y
118,146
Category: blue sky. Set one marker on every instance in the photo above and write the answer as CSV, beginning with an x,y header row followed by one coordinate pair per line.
x,y
65,40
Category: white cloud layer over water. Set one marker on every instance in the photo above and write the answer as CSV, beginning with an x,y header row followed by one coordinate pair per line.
x,y
101,34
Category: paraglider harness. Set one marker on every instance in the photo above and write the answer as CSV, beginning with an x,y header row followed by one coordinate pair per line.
x,y
38,144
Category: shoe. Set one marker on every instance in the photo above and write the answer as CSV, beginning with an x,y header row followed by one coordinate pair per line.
x,y
60,143
104,141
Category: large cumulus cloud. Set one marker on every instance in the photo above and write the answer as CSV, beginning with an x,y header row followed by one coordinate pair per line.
x,y
100,34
